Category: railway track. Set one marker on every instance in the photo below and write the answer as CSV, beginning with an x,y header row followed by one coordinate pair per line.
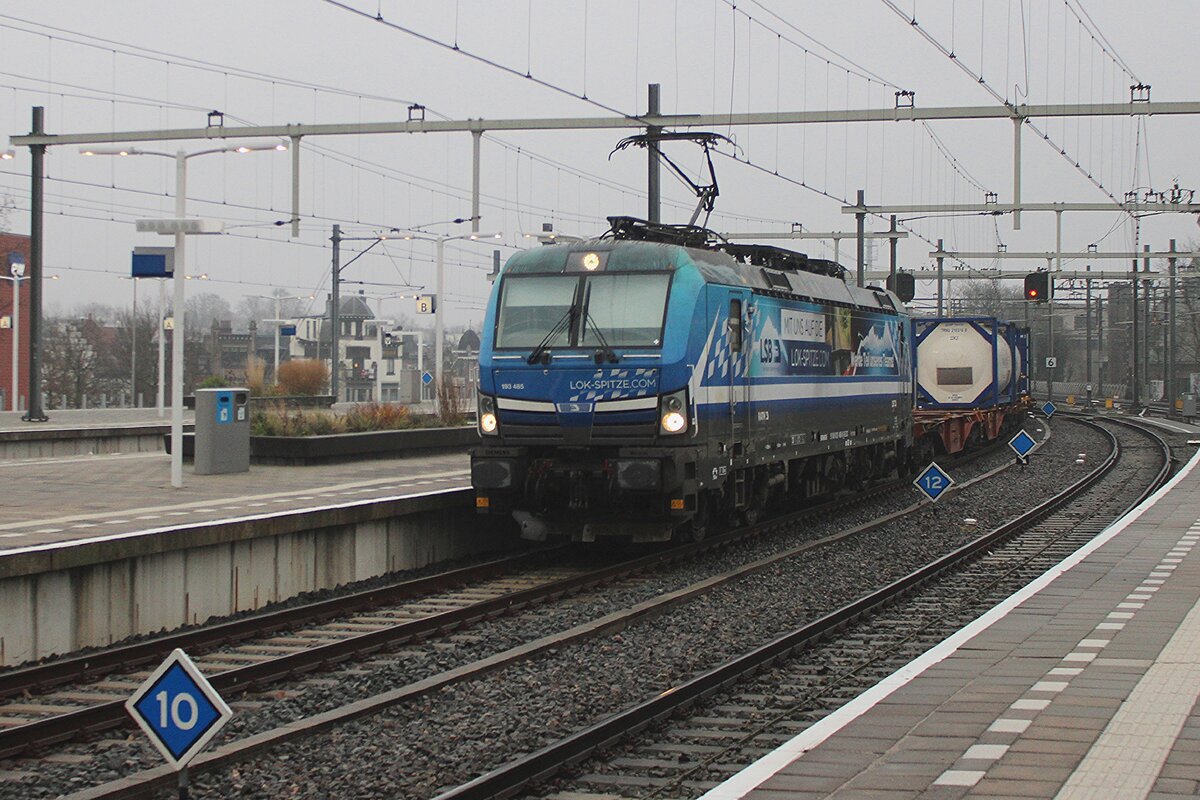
x,y
704,730
57,701
242,749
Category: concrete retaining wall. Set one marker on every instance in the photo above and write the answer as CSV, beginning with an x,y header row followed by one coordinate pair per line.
x,y
59,599
59,442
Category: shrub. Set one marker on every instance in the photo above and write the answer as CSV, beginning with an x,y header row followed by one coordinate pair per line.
x,y
213,382
303,376
452,405
256,375
281,422
276,421
377,417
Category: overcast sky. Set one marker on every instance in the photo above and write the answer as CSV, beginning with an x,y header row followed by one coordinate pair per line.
x,y
140,65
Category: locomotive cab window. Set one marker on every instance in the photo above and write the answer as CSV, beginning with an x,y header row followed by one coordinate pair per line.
x,y
735,325
531,307
624,310
582,311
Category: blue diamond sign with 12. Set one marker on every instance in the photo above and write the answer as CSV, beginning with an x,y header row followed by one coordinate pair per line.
x,y
933,481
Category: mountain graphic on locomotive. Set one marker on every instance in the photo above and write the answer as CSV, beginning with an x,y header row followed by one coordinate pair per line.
x,y
658,379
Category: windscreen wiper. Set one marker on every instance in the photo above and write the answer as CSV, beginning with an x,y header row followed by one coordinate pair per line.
x,y
563,324
605,351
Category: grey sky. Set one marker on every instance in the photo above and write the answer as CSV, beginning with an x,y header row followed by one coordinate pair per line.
x,y
705,61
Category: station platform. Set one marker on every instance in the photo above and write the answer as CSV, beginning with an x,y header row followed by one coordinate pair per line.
x,y
1082,685
76,499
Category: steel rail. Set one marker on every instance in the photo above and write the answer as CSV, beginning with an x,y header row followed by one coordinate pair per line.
x,y
63,727
41,677
511,777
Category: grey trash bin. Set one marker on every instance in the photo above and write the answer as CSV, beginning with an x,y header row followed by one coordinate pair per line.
x,y
222,431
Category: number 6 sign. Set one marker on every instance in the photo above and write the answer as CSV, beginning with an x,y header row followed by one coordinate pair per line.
x,y
178,709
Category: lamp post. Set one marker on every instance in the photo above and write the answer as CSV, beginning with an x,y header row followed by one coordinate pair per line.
x,y
17,268
181,158
278,321
437,308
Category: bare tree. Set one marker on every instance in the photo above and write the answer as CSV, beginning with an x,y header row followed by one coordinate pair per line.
x,y
205,307
68,363
116,359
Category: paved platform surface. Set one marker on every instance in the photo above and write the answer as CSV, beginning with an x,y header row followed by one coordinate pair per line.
x,y
1084,685
59,500
82,419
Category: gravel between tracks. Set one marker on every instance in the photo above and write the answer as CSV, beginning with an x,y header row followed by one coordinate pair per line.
x,y
449,737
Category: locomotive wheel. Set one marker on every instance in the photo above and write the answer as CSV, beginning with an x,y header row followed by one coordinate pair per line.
x,y
696,528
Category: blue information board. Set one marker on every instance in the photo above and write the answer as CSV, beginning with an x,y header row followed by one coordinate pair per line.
x,y
178,709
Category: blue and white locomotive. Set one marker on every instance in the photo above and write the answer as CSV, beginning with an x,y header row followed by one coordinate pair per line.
x,y
654,380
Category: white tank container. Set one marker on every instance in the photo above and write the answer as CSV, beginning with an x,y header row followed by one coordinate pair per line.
x,y
954,363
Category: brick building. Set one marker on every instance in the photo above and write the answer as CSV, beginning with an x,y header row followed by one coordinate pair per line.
x,y
13,248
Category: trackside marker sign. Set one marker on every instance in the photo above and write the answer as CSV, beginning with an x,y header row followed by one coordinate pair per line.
x,y
178,709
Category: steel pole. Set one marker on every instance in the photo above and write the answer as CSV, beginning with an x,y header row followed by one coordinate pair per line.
x,y
940,283
275,377
437,326
133,347
653,175
861,218
34,411
1017,122
162,344
476,137
335,299
1088,337
16,344
1146,295
1172,343
893,241
1133,332
177,334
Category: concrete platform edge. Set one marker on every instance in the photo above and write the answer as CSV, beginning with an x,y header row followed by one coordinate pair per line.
x,y
742,783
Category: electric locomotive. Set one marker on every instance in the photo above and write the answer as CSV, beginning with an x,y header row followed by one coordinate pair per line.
x,y
658,379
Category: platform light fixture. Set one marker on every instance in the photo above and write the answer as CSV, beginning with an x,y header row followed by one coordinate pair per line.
x,y
180,157
438,334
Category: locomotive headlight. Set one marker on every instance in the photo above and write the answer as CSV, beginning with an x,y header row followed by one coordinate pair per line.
x,y
487,415
591,261
673,414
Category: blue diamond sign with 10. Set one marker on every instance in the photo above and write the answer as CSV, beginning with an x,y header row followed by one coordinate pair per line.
x,y
178,709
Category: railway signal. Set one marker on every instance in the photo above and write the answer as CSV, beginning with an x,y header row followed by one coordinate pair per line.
x,y
1037,287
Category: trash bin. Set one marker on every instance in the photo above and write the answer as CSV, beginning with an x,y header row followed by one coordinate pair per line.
x,y
222,431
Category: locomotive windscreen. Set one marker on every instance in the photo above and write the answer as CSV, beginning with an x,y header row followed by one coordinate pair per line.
x,y
624,309
531,307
